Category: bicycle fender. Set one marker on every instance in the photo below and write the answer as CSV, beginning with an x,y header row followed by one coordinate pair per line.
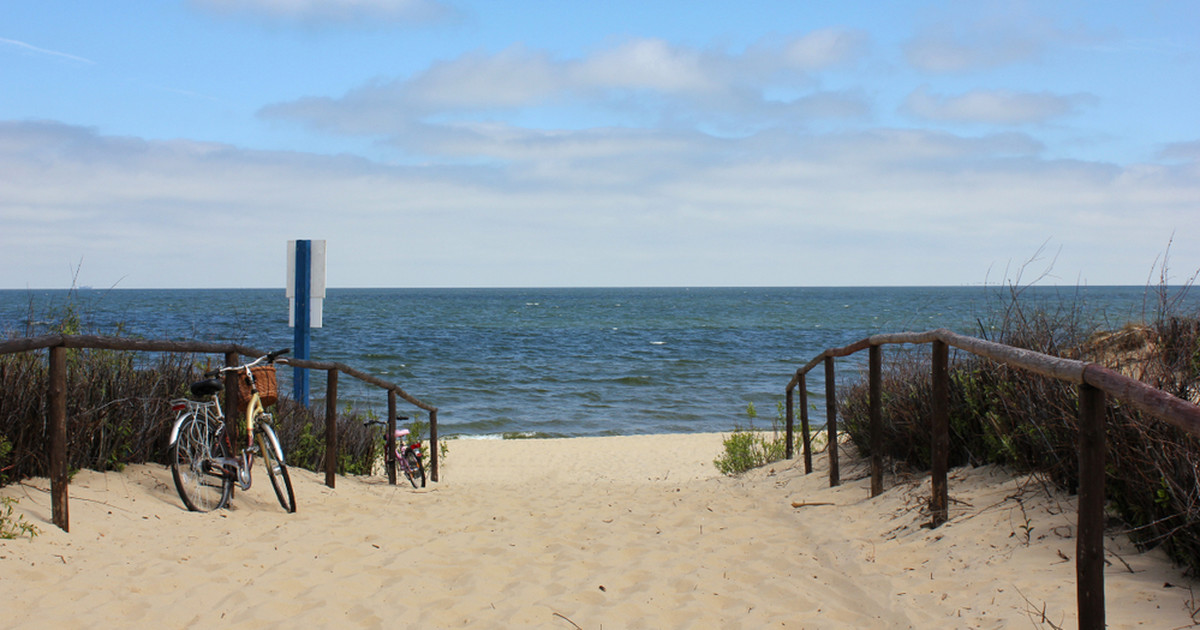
x,y
273,442
178,423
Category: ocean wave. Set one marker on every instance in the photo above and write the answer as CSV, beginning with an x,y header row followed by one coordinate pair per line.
x,y
640,380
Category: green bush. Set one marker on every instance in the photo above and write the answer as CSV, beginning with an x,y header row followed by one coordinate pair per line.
x,y
301,434
10,527
748,448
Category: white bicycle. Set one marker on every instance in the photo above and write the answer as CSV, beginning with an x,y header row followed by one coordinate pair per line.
x,y
201,462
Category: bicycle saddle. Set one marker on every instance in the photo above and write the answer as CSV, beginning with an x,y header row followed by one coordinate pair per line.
x,y
207,387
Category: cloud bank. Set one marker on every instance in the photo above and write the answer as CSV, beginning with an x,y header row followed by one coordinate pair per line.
x,y
878,207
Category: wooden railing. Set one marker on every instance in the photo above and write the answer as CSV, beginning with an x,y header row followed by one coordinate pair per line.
x,y
1094,383
56,398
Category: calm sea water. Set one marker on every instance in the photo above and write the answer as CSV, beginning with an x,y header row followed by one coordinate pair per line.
x,y
564,362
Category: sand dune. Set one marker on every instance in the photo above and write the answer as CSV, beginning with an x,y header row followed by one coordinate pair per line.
x,y
622,532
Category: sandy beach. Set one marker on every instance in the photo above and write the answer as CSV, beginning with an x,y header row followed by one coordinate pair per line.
x,y
615,532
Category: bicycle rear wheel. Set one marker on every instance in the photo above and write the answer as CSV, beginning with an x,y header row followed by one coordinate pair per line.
x,y
276,467
414,469
196,457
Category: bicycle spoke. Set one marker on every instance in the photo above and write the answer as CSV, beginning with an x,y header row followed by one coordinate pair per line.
x,y
195,457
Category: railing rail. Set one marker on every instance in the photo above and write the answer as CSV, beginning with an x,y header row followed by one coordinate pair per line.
x,y
1094,382
57,408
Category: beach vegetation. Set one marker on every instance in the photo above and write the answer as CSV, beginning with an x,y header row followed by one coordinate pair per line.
x,y
5,449
747,447
12,527
119,409
1002,415
301,432
418,428
118,405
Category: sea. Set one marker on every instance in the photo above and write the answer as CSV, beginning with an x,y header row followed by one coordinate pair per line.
x,y
566,362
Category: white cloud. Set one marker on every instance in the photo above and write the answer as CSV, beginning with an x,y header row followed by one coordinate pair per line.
x,y
647,64
825,48
1003,107
985,35
601,206
514,77
1182,151
640,82
848,104
942,53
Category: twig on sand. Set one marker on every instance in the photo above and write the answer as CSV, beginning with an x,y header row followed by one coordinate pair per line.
x,y
1034,610
800,504
1114,554
564,618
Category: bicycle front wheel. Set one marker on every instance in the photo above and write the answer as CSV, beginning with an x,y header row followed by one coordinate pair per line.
x,y
414,469
276,467
196,457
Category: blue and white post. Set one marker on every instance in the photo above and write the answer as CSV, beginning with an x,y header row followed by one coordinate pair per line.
x,y
306,293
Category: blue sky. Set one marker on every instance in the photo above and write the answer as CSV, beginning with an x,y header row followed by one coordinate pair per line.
x,y
524,143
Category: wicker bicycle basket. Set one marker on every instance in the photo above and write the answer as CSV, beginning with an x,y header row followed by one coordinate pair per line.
x,y
264,379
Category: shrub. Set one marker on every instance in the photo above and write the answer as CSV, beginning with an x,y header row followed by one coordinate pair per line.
x,y
301,433
118,409
747,448
1008,416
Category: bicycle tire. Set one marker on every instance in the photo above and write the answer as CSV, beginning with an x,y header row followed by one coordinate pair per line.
x,y
201,483
414,469
277,470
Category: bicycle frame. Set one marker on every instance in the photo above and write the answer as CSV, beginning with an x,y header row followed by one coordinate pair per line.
x,y
255,413
399,454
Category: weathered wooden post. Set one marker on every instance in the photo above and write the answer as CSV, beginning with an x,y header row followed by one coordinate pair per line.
x,y
939,503
389,455
1089,548
232,413
831,422
807,435
56,408
433,445
788,409
875,385
331,450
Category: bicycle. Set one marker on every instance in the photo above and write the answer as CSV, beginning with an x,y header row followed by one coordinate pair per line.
x,y
200,445
409,456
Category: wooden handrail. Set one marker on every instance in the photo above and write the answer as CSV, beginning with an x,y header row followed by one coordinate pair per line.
x,y
1094,382
1151,400
56,395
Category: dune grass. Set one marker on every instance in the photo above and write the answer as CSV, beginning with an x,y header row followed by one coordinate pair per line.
x,y
1007,416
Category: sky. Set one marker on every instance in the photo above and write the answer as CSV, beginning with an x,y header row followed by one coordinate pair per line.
x,y
526,143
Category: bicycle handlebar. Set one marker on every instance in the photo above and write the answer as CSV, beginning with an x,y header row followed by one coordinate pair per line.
x,y
382,422
269,358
